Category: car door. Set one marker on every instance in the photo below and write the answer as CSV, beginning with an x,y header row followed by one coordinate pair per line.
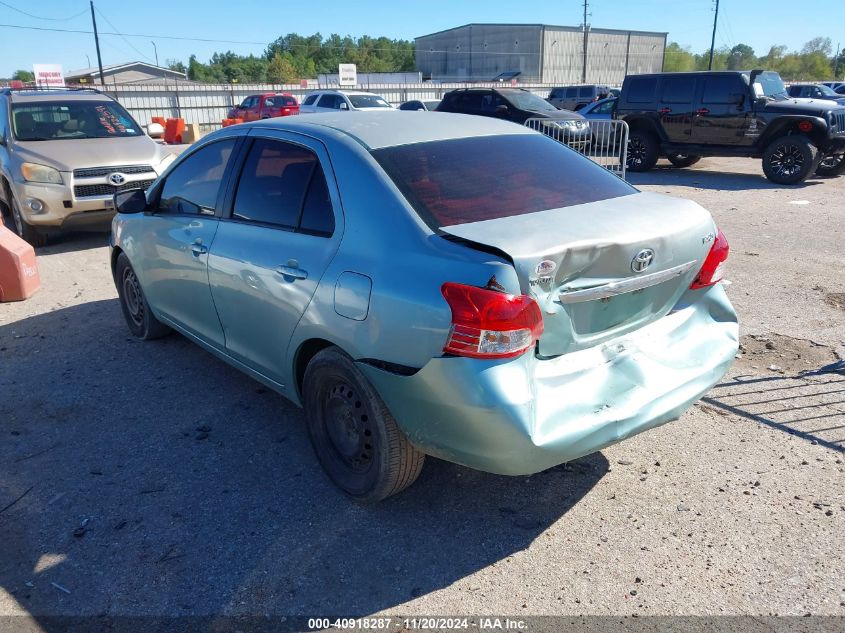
x,y
329,103
281,230
173,244
675,107
723,113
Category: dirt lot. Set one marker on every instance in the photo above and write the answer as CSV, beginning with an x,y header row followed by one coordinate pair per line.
x,y
152,479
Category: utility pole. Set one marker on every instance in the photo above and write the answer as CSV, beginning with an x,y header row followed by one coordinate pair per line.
x,y
836,62
713,39
97,43
155,48
584,67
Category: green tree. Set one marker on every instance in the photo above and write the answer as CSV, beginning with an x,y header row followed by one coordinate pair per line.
x,y
281,69
175,64
741,57
678,59
24,75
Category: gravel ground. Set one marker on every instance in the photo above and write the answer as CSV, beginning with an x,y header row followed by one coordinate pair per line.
x,y
152,479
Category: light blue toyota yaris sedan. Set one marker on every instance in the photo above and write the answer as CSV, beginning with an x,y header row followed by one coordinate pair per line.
x,y
443,285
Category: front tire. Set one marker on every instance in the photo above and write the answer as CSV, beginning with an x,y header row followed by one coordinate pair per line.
x,y
831,166
25,231
790,159
683,160
141,321
354,436
642,151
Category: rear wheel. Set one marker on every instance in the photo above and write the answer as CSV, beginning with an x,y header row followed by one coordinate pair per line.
x,y
356,439
642,151
830,166
789,160
141,321
683,160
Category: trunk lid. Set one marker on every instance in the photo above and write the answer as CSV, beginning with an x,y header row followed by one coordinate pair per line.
x,y
601,269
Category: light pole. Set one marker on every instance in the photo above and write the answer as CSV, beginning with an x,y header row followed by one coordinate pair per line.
x,y
155,48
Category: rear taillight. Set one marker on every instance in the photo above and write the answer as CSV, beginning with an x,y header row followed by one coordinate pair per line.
x,y
713,268
490,324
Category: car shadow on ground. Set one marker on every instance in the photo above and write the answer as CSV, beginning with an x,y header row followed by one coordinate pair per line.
x,y
152,478
708,179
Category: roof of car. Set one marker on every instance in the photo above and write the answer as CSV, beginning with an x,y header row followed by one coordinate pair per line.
x,y
376,130
34,96
345,92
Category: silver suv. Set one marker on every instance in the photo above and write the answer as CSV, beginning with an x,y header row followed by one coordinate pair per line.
x,y
64,154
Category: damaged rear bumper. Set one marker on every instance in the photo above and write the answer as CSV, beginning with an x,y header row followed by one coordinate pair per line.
x,y
525,415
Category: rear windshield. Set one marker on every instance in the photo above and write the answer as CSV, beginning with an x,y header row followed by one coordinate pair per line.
x,y
485,178
48,121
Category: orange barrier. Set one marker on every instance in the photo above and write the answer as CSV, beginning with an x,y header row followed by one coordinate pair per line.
x,y
160,120
173,130
19,277
228,122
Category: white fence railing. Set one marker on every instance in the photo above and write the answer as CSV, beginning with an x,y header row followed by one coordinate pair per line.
x,y
208,104
603,141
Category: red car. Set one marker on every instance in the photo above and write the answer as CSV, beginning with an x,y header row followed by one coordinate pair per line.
x,y
265,106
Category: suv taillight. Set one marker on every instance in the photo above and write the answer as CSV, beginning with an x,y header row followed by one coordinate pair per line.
x,y
490,324
713,268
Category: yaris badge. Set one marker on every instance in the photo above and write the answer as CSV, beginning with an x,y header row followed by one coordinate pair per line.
x,y
642,260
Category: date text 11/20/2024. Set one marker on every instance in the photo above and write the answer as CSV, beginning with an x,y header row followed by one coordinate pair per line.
x,y
417,624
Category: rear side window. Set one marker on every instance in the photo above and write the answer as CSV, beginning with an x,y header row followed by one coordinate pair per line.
x,y
640,90
310,99
466,180
718,90
678,90
192,186
283,185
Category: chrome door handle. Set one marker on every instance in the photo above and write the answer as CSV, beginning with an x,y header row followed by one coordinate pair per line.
x,y
199,249
292,271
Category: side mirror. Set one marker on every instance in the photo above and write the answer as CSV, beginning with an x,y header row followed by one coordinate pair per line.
x,y
343,105
155,130
130,201
502,110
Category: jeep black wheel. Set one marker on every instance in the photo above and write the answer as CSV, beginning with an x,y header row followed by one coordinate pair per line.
x,y
830,166
683,160
356,439
642,151
788,160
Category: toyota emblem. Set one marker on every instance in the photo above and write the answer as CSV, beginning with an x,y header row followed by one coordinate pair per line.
x,y
642,260
117,179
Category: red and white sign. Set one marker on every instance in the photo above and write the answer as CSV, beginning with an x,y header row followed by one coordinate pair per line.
x,y
48,75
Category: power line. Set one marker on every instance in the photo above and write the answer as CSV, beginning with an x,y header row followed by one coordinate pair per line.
x,y
145,35
40,17
131,45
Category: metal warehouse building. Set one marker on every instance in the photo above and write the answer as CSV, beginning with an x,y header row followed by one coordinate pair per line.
x,y
541,52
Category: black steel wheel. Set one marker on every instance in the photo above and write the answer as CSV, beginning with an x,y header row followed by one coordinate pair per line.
x,y
141,321
354,436
683,160
831,165
789,160
642,151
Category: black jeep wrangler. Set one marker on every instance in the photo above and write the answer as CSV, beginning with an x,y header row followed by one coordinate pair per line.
x,y
684,116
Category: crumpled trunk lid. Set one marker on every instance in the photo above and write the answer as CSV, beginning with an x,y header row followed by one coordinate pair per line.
x,y
602,269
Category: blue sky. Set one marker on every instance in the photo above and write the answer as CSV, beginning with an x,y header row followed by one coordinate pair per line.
x,y
759,23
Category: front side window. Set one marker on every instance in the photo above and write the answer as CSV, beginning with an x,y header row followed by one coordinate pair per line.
x,y
605,108
721,90
49,121
283,185
192,186
585,92
310,99
330,101
465,180
571,93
